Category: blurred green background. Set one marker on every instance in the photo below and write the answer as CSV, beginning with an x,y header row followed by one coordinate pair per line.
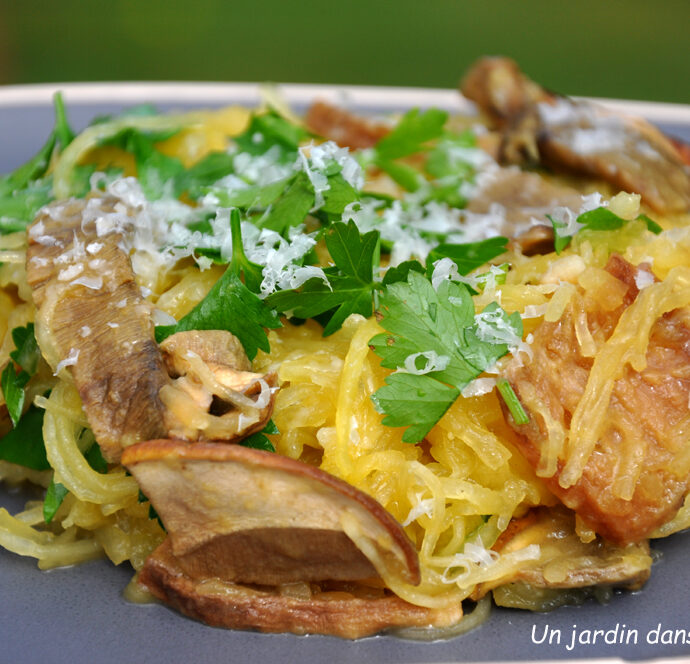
x,y
633,49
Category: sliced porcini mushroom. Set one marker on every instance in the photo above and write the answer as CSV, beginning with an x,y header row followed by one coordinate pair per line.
x,y
536,240
346,610
576,136
524,199
217,348
250,516
213,394
93,321
568,569
260,541
565,561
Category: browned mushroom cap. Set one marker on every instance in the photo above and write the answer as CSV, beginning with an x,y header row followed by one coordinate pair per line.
x,y
346,610
538,239
568,570
213,396
260,541
217,348
501,90
578,137
565,561
250,516
92,319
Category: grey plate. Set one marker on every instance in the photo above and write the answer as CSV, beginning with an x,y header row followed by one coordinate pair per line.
x,y
75,615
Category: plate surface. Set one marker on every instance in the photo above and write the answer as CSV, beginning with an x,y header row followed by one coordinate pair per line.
x,y
75,615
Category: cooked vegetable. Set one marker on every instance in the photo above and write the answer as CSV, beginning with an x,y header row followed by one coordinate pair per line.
x,y
92,318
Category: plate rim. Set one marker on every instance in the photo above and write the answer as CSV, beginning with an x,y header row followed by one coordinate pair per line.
x,y
369,96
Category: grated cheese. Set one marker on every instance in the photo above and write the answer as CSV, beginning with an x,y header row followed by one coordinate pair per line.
x,y
69,361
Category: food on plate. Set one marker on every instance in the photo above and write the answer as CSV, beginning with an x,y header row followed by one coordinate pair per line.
x,y
340,374
579,137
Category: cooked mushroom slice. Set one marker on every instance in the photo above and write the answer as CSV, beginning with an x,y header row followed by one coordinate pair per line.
x,y
92,319
214,395
568,569
347,610
342,127
256,517
608,411
536,240
252,517
578,136
565,561
523,200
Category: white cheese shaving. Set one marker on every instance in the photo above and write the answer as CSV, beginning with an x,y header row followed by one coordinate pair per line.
x,y
479,386
71,272
39,261
94,283
595,140
559,113
568,218
318,180
261,169
534,310
47,241
281,258
69,361
432,362
493,328
160,317
643,279
37,230
322,155
422,507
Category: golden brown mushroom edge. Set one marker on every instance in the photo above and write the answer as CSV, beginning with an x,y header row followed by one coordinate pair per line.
x,y
260,541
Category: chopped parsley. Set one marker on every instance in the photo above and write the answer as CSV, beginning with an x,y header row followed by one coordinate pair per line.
x,y
512,402
440,329
56,492
411,135
230,306
26,355
270,178
24,444
471,255
259,440
598,219
350,282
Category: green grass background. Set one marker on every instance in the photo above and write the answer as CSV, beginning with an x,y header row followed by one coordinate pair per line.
x,y
633,49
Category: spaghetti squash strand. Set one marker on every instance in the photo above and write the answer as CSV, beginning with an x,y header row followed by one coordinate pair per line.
x,y
71,468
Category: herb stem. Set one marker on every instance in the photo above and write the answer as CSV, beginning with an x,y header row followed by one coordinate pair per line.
x,y
511,400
